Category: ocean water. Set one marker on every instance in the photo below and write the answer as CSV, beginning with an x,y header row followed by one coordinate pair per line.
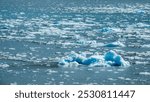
x,y
36,34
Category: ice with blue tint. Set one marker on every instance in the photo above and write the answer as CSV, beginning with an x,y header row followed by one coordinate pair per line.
x,y
111,58
114,59
115,44
140,11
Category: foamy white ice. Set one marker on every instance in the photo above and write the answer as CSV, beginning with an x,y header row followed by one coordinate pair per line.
x,y
4,65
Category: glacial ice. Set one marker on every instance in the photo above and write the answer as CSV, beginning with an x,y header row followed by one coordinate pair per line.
x,y
144,73
114,59
115,44
106,30
111,58
140,11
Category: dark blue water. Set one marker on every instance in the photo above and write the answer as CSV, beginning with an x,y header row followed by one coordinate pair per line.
x,y
35,34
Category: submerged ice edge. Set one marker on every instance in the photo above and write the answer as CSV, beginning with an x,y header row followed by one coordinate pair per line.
x,y
111,58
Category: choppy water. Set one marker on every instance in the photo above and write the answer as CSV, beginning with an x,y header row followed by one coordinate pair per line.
x,y
34,34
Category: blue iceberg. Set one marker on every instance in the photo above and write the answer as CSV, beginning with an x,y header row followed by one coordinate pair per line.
x,y
113,59
110,58
140,11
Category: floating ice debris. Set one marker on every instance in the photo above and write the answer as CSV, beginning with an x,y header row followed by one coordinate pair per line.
x,y
14,83
21,55
22,13
140,11
144,73
115,44
4,65
86,42
111,58
142,25
71,58
146,46
106,30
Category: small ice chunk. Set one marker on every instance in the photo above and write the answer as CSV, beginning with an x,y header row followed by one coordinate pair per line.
x,y
14,83
144,73
146,45
140,11
72,59
11,48
68,64
22,13
21,55
143,25
115,44
4,65
106,30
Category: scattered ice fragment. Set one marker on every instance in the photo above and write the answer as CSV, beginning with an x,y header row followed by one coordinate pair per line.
x,y
21,55
140,11
61,83
4,65
72,59
14,83
22,13
146,45
11,48
111,79
86,42
142,25
144,73
122,78
115,44
44,58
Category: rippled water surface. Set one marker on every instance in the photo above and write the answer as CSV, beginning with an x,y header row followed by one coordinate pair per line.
x,y
35,34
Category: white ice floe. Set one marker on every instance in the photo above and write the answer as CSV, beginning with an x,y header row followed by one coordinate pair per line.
x,y
110,58
110,30
146,45
106,30
4,65
21,55
142,25
144,73
140,11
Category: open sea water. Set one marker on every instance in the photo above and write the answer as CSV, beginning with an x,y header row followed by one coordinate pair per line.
x,y
35,34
